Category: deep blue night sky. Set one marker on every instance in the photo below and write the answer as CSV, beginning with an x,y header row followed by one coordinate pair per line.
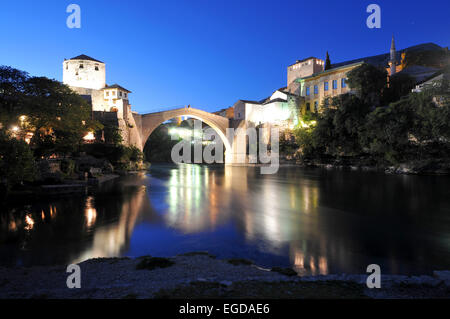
x,y
207,53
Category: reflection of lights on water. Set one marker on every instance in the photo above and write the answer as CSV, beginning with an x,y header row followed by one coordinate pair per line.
x,y
323,266
299,260
52,211
90,212
12,226
91,216
29,222
312,266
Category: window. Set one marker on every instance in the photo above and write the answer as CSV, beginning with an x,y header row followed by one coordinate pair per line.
x,y
76,73
316,89
316,106
96,68
334,84
239,115
308,107
113,92
125,94
343,83
67,66
81,66
120,93
107,93
307,91
325,86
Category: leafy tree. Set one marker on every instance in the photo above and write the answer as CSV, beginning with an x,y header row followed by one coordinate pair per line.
x,y
16,161
12,86
327,62
339,126
386,132
400,84
54,110
112,135
369,83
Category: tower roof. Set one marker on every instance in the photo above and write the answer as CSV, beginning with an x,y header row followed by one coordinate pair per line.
x,y
393,43
85,57
116,86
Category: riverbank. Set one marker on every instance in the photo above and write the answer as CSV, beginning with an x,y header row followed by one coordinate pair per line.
x,y
352,164
200,275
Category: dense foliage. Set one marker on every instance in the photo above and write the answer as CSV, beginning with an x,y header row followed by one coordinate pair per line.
x,y
17,164
415,127
57,117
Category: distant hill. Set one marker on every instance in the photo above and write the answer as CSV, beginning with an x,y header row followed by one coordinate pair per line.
x,y
428,54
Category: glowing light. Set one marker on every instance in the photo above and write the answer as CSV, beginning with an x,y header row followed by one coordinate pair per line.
x,y
22,118
89,137
29,221
15,128
91,216
90,212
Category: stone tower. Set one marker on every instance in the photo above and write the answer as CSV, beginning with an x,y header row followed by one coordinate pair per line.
x,y
393,58
84,72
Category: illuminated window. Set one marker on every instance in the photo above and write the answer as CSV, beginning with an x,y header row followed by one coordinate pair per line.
x,y
343,82
334,84
316,89
325,86
307,91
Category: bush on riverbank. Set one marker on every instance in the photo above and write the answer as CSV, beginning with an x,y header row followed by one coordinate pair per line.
x,y
120,156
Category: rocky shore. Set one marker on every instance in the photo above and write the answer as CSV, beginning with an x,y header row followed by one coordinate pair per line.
x,y
200,275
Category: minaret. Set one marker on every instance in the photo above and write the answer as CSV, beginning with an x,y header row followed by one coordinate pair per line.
x,y
393,59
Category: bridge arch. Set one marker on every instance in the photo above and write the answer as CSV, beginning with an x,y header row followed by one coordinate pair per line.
x,y
149,122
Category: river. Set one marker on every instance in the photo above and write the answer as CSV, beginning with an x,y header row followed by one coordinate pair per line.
x,y
314,220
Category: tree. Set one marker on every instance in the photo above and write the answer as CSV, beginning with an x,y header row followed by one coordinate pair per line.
x,y
54,110
339,125
12,86
369,83
386,132
112,135
327,62
400,84
16,161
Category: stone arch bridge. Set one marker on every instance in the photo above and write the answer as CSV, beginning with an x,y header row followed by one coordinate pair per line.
x,y
235,150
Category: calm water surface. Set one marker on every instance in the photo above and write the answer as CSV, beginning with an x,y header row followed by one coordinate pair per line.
x,y
317,221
